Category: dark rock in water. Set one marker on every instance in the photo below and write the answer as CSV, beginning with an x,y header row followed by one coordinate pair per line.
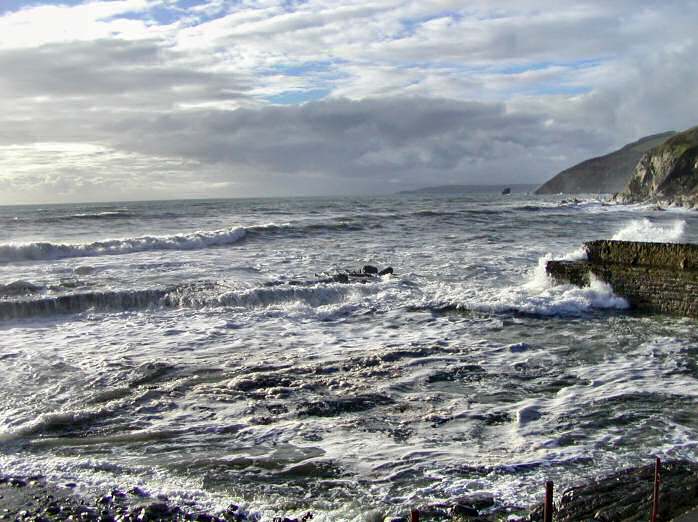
x,y
337,406
627,495
157,509
366,274
341,278
435,512
17,288
464,510
139,492
506,191
369,269
307,516
478,501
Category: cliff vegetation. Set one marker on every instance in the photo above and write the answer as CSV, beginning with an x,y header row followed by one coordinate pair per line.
x,y
604,174
667,174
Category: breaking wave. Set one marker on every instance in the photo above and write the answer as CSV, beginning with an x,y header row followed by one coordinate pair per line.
x,y
193,241
539,295
107,214
41,250
193,295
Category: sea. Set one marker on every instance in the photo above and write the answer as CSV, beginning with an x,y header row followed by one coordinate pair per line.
x,y
207,351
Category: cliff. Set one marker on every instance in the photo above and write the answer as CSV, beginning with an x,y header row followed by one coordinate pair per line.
x,y
667,174
652,277
603,174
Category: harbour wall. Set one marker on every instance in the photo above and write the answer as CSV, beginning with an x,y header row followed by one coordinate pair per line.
x,y
653,277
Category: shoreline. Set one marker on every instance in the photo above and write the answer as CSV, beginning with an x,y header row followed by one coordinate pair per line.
x,y
624,495
36,499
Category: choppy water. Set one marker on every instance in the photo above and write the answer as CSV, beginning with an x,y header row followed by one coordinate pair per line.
x,y
188,347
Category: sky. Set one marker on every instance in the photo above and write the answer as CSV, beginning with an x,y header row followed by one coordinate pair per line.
x,y
157,99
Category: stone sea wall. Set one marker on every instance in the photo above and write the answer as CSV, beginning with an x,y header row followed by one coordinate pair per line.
x,y
653,277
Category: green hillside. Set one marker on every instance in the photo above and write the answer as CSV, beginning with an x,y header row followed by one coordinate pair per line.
x,y
603,174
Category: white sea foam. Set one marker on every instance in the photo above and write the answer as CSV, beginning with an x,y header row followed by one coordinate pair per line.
x,y
315,295
10,252
100,215
649,231
539,295
484,402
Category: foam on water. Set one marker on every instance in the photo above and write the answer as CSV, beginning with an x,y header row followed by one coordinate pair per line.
x,y
233,376
538,295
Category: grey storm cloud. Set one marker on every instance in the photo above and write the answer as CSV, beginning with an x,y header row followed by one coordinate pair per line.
x,y
412,94
367,140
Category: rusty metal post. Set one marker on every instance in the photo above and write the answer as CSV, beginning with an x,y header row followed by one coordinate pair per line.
x,y
655,494
548,506
414,515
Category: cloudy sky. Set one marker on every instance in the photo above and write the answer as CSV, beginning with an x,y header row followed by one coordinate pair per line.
x,y
143,99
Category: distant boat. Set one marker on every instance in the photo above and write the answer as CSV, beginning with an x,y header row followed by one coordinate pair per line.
x,y
506,191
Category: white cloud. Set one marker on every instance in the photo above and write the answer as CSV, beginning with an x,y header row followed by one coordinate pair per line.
x,y
186,95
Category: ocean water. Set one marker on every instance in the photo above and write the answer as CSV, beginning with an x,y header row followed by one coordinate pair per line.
x,y
197,349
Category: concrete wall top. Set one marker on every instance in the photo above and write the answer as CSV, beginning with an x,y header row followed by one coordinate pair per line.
x,y
676,256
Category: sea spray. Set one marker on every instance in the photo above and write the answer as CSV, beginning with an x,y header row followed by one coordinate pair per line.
x,y
538,295
651,232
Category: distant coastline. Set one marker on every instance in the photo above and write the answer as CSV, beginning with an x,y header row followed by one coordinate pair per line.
x,y
475,189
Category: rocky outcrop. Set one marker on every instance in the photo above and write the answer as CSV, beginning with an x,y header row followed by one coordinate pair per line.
x,y
604,174
653,277
668,174
627,495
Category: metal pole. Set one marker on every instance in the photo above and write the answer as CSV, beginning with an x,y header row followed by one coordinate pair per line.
x,y
548,506
655,495
414,515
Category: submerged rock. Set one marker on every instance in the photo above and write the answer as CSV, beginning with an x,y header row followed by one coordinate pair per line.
x,y
366,274
18,288
336,406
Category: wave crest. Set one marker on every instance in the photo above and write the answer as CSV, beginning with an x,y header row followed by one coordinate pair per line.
x,y
10,252
192,295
